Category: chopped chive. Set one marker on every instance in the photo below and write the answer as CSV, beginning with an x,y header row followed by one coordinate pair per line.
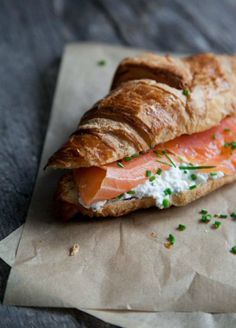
x,y
217,224
193,176
120,164
135,155
206,218
148,173
168,157
162,162
101,62
233,215
171,239
214,136
195,167
185,172
203,211
159,171
216,215
127,158
186,92
192,187
120,196
233,250
227,130
181,227
168,191
156,152
213,174
166,203
222,216
230,144
152,178
131,192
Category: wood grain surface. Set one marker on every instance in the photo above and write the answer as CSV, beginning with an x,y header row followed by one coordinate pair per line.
x,y
32,37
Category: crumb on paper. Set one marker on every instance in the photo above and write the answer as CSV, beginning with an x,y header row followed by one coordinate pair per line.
x,y
153,234
168,245
74,250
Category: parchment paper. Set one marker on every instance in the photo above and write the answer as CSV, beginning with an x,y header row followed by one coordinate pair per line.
x,y
130,319
120,264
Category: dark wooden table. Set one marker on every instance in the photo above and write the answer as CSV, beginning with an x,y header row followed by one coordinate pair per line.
x,y
32,37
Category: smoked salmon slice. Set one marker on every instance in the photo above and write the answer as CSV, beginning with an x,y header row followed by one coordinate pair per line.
x,y
214,147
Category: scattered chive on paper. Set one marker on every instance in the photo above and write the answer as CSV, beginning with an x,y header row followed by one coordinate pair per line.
x,y
120,164
148,174
203,211
171,239
166,203
206,218
186,92
101,62
181,227
233,215
233,250
217,224
222,216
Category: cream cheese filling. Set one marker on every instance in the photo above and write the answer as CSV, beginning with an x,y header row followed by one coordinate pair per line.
x,y
162,187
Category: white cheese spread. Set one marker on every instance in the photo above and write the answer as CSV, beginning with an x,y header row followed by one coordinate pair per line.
x,y
162,187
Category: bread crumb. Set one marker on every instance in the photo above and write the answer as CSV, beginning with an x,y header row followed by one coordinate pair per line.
x,y
153,234
168,245
74,250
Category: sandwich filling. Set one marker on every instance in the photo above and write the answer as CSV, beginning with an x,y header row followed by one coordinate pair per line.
x,y
175,166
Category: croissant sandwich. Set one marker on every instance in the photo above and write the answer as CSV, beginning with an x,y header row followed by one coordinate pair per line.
x,y
165,135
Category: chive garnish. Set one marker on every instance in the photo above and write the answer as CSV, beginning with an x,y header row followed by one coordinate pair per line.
x,y
135,155
127,158
216,224
166,203
159,171
171,239
227,130
213,174
206,218
165,163
168,157
181,227
168,191
193,176
230,144
185,172
156,152
120,164
233,250
192,187
186,92
233,215
101,62
148,173
195,167
152,178
222,216
214,136
120,196
203,211
131,192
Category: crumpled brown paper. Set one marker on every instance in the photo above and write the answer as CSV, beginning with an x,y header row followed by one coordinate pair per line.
x,y
120,264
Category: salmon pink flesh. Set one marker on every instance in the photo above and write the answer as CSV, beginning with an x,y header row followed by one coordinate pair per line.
x,y
215,147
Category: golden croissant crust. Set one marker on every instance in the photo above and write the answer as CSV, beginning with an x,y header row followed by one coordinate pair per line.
x,y
147,106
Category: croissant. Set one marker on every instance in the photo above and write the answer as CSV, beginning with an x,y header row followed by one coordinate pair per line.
x,y
154,101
